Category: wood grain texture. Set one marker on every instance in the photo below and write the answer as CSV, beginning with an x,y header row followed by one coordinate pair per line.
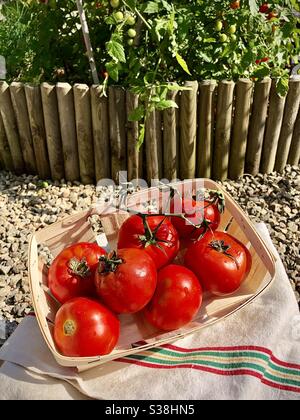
x,y
36,121
206,120
170,134
274,122
288,123
243,97
152,148
294,154
223,130
257,125
52,130
134,156
17,91
83,116
11,129
100,132
66,112
117,120
5,155
188,131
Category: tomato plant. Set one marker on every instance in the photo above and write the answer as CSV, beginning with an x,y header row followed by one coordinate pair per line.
x,y
72,272
126,280
220,261
155,234
85,328
177,298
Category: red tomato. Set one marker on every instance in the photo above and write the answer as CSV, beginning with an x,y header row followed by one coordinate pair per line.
x,y
272,15
72,272
155,234
264,8
235,4
177,298
220,261
203,214
83,328
126,281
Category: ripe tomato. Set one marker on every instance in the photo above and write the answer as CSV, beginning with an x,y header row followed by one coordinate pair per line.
x,y
220,261
155,234
202,213
83,328
72,272
126,281
264,8
235,4
177,298
272,15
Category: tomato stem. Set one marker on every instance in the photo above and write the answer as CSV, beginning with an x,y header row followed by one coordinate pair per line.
x,y
221,247
109,263
79,267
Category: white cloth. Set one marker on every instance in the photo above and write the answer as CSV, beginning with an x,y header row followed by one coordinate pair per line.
x,y
259,358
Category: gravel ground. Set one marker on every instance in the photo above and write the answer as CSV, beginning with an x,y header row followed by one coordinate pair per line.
x,y
27,204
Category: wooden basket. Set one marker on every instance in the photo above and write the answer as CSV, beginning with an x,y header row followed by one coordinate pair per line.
x,y
136,335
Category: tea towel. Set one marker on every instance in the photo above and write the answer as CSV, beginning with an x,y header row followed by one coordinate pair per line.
x,y
253,354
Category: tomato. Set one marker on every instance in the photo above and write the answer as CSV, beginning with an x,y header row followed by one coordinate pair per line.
x,y
119,16
223,37
131,33
235,4
205,214
177,298
272,15
233,37
72,272
84,328
155,234
130,42
130,20
127,280
220,261
264,8
218,25
232,29
115,3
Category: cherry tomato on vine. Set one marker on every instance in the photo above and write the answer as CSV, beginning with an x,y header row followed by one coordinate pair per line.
x,y
177,298
232,29
264,8
130,42
233,37
72,272
218,25
223,38
220,261
235,4
119,16
85,328
126,280
130,20
155,234
272,15
115,3
131,33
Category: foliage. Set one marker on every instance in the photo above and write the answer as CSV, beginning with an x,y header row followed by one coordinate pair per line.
x,y
150,44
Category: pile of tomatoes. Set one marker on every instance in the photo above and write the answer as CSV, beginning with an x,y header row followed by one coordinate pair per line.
x,y
94,286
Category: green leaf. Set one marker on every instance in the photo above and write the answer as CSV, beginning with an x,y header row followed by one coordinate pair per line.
x,y
253,7
141,136
261,72
165,104
113,70
182,63
282,85
152,7
116,51
137,114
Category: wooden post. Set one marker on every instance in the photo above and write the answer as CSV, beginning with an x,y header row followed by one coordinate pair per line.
x,y
188,131
83,113
294,155
288,123
244,88
11,129
68,130
133,154
100,132
52,128
36,120
274,122
257,125
170,134
5,155
159,140
20,108
206,118
223,130
152,148
117,121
